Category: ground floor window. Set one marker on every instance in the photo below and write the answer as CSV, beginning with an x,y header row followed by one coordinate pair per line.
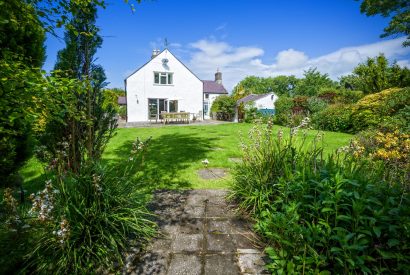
x,y
158,105
173,106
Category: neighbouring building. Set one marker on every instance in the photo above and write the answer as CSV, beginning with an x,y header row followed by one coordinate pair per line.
x,y
264,103
165,84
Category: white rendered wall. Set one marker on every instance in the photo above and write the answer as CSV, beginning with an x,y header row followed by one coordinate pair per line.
x,y
186,88
211,100
266,102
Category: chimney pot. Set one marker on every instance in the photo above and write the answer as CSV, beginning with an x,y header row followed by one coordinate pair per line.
x,y
218,77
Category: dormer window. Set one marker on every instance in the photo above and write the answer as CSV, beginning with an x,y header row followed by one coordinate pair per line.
x,y
163,78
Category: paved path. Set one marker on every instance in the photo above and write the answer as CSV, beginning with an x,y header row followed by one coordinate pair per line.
x,y
200,234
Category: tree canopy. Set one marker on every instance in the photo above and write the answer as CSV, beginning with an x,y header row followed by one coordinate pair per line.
x,y
375,75
21,32
398,10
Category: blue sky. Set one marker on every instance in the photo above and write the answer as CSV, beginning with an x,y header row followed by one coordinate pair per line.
x,y
242,37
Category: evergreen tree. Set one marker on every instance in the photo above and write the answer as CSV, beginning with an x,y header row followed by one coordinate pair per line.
x,y
86,136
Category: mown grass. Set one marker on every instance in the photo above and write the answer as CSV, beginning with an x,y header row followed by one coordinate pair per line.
x,y
175,154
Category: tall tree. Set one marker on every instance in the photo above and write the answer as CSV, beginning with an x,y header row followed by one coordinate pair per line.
x,y
375,75
398,10
312,82
88,135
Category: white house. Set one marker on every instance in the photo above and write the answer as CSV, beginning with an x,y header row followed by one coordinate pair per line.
x,y
264,103
165,84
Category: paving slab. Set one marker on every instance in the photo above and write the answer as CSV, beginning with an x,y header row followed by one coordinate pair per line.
x,y
187,243
182,264
199,233
221,264
220,243
251,263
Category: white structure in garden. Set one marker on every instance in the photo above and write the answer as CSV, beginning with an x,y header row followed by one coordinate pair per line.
x,y
264,103
165,84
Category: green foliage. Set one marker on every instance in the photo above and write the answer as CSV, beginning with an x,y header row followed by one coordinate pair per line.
x,y
283,110
348,96
373,109
21,32
315,104
18,106
397,10
251,114
336,117
312,82
224,107
86,119
375,75
22,50
281,85
80,223
391,147
320,215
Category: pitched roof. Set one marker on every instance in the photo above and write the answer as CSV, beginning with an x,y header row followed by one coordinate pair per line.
x,y
251,97
122,100
211,87
166,49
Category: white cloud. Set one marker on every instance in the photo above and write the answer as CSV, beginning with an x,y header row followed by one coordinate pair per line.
x,y
290,59
235,63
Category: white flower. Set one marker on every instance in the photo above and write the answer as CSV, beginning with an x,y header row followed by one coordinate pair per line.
x,y
205,161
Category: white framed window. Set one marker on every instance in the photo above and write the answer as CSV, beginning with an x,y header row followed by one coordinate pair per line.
x,y
161,78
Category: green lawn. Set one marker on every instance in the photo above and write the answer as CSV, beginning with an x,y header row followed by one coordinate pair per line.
x,y
176,153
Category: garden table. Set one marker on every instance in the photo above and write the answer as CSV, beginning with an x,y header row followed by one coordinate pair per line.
x,y
175,116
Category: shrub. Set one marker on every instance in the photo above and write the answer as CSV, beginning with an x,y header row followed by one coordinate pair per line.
x,y
122,112
371,110
322,214
390,147
336,117
251,113
224,107
283,110
348,96
316,104
400,121
84,223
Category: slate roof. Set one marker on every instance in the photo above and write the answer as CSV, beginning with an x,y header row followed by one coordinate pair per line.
x,y
122,100
251,97
211,87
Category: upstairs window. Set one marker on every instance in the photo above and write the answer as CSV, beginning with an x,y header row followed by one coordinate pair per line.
x,y
163,78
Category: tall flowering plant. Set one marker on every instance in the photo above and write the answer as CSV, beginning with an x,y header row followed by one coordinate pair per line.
x,y
83,222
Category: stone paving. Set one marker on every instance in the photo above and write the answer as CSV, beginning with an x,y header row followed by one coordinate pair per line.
x,y
199,234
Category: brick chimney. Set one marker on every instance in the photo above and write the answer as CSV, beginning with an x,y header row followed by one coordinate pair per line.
x,y
218,77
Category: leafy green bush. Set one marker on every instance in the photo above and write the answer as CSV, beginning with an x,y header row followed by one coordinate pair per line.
x,y
336,117
348,96
122,112
283,110
224,107
251,113
316,104
18,98
80,223
322,215
371,110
